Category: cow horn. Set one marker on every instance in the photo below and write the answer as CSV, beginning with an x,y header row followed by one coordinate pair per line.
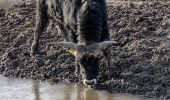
x,y
106,44
68,45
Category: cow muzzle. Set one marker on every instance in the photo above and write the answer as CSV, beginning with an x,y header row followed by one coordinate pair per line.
x,y
89,82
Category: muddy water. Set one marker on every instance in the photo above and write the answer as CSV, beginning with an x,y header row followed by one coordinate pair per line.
x,y
8,3
18,89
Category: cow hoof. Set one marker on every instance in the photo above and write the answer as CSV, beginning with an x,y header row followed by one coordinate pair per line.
x,y
32,53
33,49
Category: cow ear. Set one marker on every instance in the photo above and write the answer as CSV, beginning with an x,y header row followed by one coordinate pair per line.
x,y
68,45
105,44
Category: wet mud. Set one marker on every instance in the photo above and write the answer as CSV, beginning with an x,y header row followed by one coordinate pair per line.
x,y
143,57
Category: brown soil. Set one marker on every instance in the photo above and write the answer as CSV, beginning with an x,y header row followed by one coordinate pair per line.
x,y
143,56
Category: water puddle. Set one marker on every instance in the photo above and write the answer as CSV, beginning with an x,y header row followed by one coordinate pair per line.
x,y
19,89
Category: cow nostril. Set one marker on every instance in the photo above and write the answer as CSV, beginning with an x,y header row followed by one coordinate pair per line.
x,y
90,82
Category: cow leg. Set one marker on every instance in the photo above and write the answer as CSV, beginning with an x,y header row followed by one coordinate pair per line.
x,y
41,23
77,69
113,71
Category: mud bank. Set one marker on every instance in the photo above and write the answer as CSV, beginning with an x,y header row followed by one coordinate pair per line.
x,y
143,56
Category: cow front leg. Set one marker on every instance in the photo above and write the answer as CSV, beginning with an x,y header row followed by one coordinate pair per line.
x,y
34,45
113,70
77,69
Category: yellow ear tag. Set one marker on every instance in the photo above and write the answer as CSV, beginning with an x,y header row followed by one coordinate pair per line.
x,y
73,52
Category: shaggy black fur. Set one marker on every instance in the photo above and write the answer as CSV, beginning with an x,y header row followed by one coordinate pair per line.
x,y
92,21
79,20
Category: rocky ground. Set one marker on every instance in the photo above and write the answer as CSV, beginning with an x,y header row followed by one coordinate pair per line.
x,y
143,57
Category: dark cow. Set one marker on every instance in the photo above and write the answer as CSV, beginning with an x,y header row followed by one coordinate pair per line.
x,y
84,26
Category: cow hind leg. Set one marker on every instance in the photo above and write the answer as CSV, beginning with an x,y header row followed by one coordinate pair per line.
x,y
41,23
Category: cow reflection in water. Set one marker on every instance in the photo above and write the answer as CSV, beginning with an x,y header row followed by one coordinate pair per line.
x,y
82,93
36,90
69,92
87,94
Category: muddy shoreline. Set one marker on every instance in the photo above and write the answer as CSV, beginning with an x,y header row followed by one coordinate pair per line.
x,y
143,56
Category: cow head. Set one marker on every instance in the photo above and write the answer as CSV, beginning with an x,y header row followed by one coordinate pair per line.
x,y
87,56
